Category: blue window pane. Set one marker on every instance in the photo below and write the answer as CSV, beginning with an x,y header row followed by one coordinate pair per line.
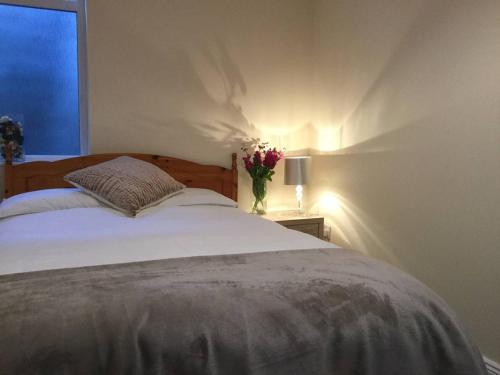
x,y
39,77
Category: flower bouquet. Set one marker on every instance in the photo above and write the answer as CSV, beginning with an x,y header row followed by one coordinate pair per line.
x,y
11,134
260,160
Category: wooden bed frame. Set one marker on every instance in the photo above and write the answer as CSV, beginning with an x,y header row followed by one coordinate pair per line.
x,y
30,176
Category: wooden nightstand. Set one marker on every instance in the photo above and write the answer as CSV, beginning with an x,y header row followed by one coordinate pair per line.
x,y
313,225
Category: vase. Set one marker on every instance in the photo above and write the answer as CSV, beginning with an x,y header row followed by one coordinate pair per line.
x,y
259,190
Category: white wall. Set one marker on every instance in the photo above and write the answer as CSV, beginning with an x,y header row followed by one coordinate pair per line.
x,y
192,78
407,140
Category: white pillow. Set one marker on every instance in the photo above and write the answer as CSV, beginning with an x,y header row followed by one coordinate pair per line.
x,y
46,200
194,197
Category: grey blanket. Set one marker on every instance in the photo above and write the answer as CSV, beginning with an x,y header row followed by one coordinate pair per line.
x,y
294,312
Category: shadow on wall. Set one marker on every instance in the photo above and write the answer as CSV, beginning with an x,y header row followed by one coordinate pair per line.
x,y
218,121
357,52
428,190
379,109
171,104
196,118
184,97
188,108
429,65
189,80
420,168
415,177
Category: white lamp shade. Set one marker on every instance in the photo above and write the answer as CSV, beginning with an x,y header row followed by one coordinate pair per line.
x,y
297,170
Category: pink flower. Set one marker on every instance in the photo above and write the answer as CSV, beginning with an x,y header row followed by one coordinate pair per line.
x,y
248,163
272,157
261,160
257,158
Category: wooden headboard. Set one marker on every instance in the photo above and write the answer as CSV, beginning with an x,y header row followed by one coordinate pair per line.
x,y
30,176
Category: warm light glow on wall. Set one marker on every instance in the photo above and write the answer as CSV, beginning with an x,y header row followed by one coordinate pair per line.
x,y
328,138
329,204
275,136
290,138
351,225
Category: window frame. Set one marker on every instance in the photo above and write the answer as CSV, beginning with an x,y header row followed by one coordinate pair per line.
x,y
80,8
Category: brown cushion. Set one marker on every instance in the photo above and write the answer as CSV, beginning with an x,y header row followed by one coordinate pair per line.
x,y
126,184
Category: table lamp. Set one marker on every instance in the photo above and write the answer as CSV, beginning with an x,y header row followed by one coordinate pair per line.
x,y
297,173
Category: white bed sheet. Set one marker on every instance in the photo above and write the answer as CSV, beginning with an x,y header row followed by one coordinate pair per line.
x,y
95,236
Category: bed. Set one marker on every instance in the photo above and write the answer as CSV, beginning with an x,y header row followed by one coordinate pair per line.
x,y
195,285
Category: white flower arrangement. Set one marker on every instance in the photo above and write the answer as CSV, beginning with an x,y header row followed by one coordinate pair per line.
x,y
11,133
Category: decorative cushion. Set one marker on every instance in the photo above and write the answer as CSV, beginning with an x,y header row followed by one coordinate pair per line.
x,y
126,184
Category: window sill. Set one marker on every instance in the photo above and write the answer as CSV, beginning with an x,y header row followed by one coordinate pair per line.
x,y
29,158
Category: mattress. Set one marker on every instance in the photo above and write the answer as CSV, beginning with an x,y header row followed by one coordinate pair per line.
x,y
194,223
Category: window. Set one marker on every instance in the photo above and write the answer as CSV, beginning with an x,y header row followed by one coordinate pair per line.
x,y
42,74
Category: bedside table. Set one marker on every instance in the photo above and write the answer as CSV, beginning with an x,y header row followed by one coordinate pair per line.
x,y
313,225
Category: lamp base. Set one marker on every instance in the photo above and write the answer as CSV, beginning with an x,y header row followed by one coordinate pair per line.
x,y
298,195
